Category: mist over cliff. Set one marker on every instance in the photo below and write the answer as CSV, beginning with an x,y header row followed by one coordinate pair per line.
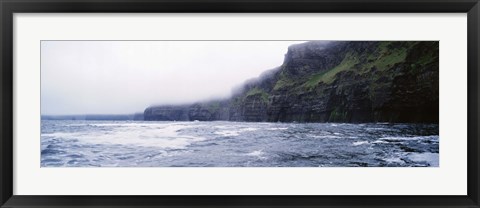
x,y
123,77
337,81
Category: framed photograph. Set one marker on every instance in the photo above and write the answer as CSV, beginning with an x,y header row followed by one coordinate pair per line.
x,y
239,104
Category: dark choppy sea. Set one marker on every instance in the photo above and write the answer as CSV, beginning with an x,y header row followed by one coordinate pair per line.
x,y
236,144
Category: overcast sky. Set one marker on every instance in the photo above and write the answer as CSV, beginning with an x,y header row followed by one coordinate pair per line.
x,y
121,77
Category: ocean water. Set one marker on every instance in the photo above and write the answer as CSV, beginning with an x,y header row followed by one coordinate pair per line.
x,y
67,143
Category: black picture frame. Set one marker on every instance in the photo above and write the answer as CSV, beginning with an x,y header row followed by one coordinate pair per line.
x,y
9,7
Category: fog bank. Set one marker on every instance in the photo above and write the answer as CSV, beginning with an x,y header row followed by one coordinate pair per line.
x,y
118,77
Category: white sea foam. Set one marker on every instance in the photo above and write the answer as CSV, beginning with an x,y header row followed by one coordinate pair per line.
x,y
325,137
235,132
432,137
430,158
278,128
61,135
222,127
257,153
380,142
228,133
359,143
76,124
139,124
394,160
159,135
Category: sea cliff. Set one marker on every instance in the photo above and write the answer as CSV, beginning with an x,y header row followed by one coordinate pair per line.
x,y
339,81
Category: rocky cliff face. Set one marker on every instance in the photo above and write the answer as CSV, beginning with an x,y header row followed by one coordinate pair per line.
x,y
357,81
167,113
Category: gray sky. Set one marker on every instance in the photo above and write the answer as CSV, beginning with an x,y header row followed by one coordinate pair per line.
x,y
119,77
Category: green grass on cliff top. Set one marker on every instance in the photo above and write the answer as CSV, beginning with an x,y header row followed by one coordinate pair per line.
x,y
382,58
255,91
329,76
283,82
387,57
